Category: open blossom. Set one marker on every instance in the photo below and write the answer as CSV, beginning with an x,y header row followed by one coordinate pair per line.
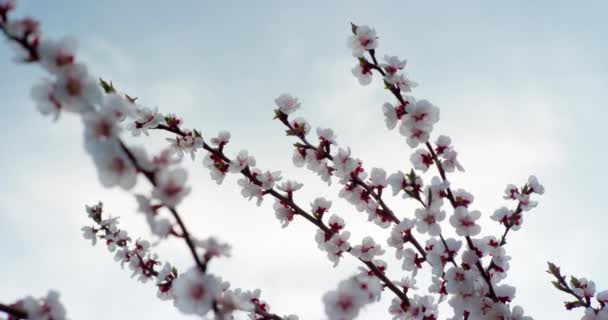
x,y
114,167
535,185
463,221
422,160
508,217
47,308
287,104
336,246
195,292
100,126
300,126
428,219
584,288
443,143
268,178
393,64
392,114
223,137
399,231
327,136
363,72
525,202
56,55
214,248
367,250
283,212
242,161
217,167
378,178
171,186
418,123
290,186
320,206
450,162
345,165
351,295
400,80
189,143
251,190
511,191
145,118
364,39
118,106
76,90
421,307
89,233
44,94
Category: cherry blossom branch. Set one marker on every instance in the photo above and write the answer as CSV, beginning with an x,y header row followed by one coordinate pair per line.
x,y
185,234
75,87
218,152
376,195
582,290
449,194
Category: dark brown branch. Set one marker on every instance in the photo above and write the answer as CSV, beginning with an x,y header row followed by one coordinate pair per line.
x,y
19,314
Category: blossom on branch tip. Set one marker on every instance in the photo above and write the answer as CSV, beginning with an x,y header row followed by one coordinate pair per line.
x,y
535,186
287,104
511,191
364,39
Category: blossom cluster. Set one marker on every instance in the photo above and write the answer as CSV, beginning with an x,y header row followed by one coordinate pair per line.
x,y
105,116
192,292
45,308
467,271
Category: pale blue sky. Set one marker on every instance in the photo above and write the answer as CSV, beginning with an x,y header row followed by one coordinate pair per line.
x,y
521,87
